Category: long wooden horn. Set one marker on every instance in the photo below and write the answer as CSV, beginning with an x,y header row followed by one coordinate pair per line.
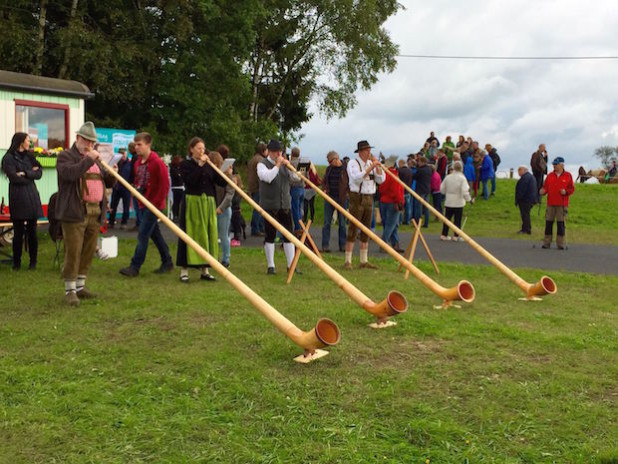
x,y
393,304
325,332
464,291
545,286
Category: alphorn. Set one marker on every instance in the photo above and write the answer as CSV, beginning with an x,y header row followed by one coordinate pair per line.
x,y
545,286
464,291
394,303
325,332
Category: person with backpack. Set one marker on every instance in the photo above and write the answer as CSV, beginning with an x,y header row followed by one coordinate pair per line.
x,y
22,169
365,174
81,208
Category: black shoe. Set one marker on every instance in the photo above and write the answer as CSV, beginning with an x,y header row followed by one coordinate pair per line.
x,y
207,277
16,267
296,271
32,267
325,250
271,271
545,246
129,271
561,247
164,269
225,265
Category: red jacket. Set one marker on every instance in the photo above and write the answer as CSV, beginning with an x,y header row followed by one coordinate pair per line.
x,y
390,190
158,184
552,186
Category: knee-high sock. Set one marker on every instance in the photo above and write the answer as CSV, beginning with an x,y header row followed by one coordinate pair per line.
x,y
288,249
269,251
363,255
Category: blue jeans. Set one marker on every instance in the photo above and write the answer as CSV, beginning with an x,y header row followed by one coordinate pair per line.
x,y
485,189
390,222
138,212
298,195
493,184
407,208
328,219
149,229
417,210
223,230
257,221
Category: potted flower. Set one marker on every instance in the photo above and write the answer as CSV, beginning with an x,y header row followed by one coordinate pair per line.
x,y
47,158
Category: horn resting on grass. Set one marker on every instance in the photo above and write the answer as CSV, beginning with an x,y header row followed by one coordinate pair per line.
x,y
545,286
325,332
392,305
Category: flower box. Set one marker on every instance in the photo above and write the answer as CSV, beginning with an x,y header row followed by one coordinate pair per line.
x,y
47,162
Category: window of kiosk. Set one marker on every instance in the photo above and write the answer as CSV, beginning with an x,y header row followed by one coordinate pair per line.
x,y
46,124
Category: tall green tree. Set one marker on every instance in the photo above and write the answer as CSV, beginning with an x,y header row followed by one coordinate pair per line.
x,y
607,155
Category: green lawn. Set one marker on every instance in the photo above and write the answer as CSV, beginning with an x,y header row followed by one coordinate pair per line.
x,y
159,371
592,215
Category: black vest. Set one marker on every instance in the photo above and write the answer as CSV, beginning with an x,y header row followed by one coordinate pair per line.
x,y
276,195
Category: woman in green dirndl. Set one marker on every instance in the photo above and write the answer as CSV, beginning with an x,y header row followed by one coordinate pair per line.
x,y
198,211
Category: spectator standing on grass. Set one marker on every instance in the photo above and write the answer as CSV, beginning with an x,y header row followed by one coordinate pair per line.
x,y
333,186
152,181
456,192
223,196
558,187
309,197
526,195
120,192
178,187
423,189
538,163
364,174
136,209
238,222
432,138
22,169
297,192
253,185
448,147
436,195
495,158
81,207
487,173
391,196
441,164
406,175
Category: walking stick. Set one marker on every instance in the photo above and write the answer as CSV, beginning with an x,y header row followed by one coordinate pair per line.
x,y
545,286
394,303
325,332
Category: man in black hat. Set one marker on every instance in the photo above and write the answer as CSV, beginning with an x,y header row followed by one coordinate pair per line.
x,y
276,200
364,173
81,208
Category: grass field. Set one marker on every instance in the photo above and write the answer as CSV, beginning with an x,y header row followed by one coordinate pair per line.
x,y
159,371
592,217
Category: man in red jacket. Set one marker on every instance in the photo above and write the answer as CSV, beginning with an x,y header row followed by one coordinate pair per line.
x,y
152,181
558,187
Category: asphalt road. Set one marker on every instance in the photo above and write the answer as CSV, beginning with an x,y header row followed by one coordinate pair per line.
x,y
596,259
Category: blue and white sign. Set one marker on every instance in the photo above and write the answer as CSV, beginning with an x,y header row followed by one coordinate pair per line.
x,y
119,138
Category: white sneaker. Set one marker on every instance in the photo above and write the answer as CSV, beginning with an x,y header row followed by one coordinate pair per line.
x,y
445,238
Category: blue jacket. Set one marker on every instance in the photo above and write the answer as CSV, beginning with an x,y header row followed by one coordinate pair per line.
x,y
469,169
525,190
487,168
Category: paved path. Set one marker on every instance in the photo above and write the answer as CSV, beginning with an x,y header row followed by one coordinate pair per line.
x,y
598,259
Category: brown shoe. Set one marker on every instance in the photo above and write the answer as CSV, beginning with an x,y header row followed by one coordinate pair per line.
x,y
367,265
348,266
71,298
85,294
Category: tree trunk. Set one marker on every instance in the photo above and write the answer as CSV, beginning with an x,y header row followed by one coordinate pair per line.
x,y
253,109
38,68
67,50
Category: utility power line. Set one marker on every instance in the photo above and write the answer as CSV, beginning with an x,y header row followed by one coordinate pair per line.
x,y
460,57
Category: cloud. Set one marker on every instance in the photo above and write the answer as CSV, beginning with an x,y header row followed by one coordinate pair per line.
x,y
515,105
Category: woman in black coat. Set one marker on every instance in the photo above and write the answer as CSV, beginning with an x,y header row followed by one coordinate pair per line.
x,y
22,169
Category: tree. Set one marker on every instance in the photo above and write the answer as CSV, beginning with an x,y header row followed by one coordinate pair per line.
x,y
607,155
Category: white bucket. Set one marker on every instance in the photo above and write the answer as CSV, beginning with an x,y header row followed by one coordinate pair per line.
x,y
109,246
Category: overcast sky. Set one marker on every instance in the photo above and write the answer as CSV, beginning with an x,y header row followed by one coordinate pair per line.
x,y
514,105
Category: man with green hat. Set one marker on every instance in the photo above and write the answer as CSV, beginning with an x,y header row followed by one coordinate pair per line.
x,y
81,208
